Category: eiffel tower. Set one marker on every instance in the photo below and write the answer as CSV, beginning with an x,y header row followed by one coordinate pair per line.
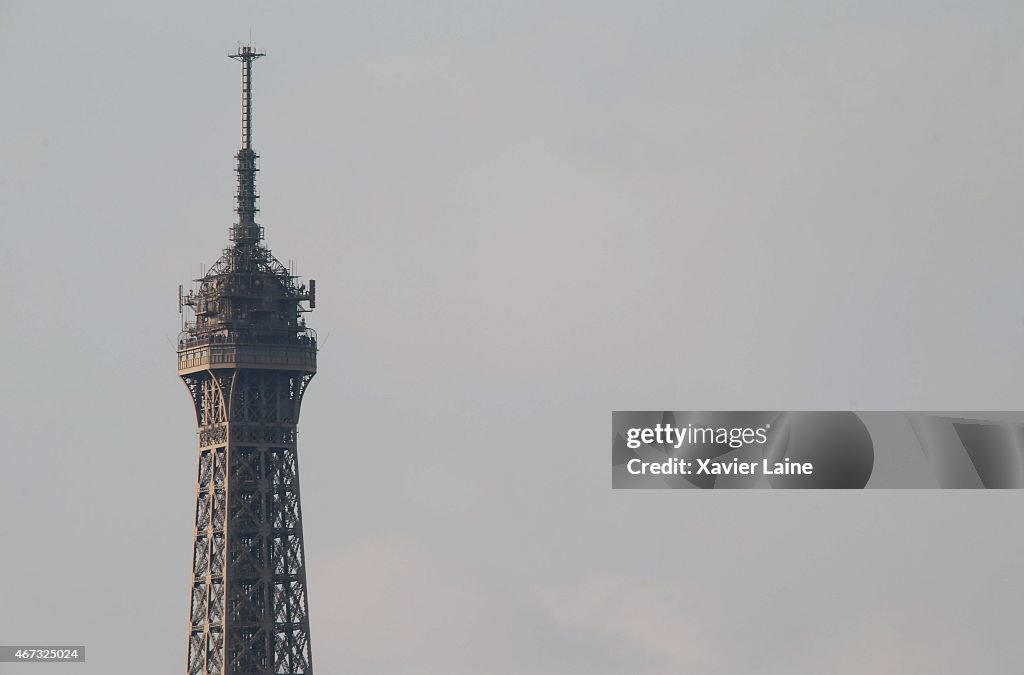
x,y
247,357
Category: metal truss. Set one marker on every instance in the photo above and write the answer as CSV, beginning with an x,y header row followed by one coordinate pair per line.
x,y
249,610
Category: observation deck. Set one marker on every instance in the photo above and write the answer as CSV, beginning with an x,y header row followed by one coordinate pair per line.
x,y
217,352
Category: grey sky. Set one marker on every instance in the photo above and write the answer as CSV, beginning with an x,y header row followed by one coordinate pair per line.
x,y
520,217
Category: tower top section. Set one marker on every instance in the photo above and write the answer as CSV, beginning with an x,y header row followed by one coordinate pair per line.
x,y
248,306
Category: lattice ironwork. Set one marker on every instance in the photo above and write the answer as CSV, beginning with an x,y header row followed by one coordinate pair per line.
x,y
249,602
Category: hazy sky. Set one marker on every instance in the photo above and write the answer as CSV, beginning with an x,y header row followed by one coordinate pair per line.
x,y
520,217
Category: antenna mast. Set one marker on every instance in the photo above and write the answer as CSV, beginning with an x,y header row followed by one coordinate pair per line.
x,y
246,231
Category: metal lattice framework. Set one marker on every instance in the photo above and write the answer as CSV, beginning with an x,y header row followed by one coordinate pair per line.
x,y
247,358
